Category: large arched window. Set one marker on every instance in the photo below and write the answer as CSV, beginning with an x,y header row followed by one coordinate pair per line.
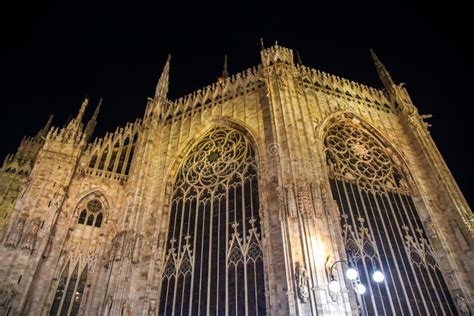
x,y
214,259
69,290
381,226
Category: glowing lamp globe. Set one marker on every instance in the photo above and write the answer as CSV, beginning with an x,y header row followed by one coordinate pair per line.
x,y
360,288
334,286
352,274
378,276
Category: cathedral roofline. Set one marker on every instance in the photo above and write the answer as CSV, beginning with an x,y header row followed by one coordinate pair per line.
x,y
249,76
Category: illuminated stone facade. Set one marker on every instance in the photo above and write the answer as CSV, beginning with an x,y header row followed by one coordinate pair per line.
x,y
235,200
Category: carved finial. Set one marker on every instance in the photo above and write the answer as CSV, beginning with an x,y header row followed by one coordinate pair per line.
x,y
383,73
225,73
300,61
262,46
82,110
162,86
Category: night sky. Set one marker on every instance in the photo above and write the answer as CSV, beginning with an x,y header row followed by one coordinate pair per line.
x,y
53,54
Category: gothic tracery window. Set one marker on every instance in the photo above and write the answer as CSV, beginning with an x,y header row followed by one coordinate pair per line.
x,y
69,292
381,227
92,213
214,259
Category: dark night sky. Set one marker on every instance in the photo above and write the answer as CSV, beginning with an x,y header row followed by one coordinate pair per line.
x,y
53,54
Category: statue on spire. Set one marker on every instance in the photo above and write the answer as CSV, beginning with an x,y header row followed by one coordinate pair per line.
x,y
82,110
163,83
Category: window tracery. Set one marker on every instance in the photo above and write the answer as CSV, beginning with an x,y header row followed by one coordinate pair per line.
x,y
93,213
69,292
214,257
380,224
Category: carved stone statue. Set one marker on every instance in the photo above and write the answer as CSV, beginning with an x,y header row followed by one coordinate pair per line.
x,y
136,249
15,234
302,282
125,309
29,238
462,305
152,308
6,294
108,305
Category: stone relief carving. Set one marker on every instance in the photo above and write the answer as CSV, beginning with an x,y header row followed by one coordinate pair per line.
x,y
29,238
125,309
462,305
15,234
126,244
282,202
305,200
58,197
6,294
136,248
459,236
302,282
152,308
291,201
108,305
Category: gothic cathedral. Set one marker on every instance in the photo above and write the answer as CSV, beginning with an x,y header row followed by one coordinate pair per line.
x,y
279,190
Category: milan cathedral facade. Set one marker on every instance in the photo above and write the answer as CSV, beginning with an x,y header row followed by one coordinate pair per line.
x,y
255,195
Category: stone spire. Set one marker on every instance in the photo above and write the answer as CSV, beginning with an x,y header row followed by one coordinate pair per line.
x,y
225,73
298,58
82,110
72,133
383,73
44,131
162,87
90,127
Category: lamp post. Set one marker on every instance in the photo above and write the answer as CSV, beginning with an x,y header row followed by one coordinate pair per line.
x,y
351,274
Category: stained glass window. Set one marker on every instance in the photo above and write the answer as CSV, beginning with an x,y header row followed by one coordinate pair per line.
x,y
214,260
381,226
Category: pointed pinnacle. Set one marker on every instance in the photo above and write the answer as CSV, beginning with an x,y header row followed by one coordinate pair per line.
x,y
300,61
82,109
42,132
48,123
261,43
163,82
97,110
383,73
225,73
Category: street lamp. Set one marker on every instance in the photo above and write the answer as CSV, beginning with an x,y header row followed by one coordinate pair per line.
x,y
353,275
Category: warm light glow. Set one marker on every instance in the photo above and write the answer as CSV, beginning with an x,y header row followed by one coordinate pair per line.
x,y
352,274
360,288
334,286
378,276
